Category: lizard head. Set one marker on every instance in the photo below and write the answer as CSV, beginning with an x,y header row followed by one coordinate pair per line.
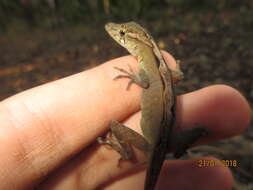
x,y
128,35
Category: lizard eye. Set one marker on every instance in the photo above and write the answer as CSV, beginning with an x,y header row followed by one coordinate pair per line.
x,y
122,33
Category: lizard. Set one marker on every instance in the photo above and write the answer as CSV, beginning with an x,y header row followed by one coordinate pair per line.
x,y
158,103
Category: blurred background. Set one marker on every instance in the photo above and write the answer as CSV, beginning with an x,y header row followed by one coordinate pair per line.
x,y
45,40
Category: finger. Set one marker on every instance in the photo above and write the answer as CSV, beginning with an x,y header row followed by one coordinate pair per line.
x,y
191,174
194,108
182,175
104,161
42,127
221,109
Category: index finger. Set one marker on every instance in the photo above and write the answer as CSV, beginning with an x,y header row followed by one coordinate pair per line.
x,y
44,126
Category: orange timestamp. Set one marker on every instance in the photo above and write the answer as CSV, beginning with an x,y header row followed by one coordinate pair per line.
x,y
211,163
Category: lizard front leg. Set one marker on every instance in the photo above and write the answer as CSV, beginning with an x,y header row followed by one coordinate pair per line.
x,y
177,75
141,79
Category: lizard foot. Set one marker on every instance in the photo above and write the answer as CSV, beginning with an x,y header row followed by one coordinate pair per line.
x,y
186,138
135,78
177,75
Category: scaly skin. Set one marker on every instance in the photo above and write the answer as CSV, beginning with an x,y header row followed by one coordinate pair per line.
x,y
157,103
157,117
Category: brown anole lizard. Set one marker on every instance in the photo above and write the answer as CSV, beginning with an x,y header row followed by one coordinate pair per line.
x,y
157,103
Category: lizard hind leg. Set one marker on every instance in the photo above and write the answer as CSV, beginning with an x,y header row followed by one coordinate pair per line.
x,y
123,148
121,138
183,140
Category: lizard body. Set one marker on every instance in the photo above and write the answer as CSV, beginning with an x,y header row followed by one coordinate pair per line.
x,y
149,76
157,101
157,116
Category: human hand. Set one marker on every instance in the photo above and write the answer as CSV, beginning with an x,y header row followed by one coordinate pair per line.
x,y
48,133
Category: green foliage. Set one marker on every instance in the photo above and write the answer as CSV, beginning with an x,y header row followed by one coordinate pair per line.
x,y
6,8
207,4
132,9
73,11
121,9
39,13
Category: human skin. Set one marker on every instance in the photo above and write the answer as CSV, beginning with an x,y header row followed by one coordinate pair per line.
x,y
48,133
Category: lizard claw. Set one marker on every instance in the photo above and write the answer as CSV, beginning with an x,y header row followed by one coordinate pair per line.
x,y
123,70
131,75
129,84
